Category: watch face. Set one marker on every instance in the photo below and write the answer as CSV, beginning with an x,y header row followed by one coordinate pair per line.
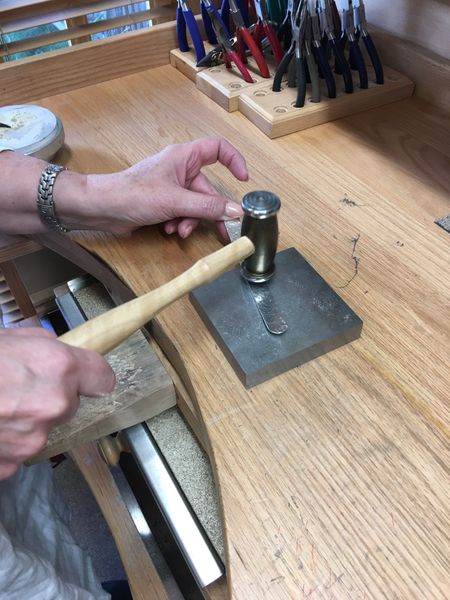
x,y
32,130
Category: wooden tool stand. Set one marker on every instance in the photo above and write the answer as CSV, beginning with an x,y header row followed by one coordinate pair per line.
x,y
275,113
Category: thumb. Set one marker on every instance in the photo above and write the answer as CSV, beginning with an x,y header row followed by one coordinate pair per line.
x,y
205,206
94,375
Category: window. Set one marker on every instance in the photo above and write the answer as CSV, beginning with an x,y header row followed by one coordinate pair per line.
x,y
34,27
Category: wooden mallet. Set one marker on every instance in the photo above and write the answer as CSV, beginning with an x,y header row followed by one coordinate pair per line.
x,y
105,332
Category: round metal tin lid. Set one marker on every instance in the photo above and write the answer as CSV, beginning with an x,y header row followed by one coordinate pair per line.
x,y
260,204
33,130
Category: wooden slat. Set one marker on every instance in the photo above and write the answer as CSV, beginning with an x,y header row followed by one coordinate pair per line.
x,y
19,292
69,68
10,24
14,246
78,22
11,5
48,6
83,32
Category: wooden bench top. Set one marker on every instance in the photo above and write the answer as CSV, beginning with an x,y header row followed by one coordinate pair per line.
x,y
333,477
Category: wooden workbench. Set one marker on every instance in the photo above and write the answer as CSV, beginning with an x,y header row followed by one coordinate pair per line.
x,y
333,477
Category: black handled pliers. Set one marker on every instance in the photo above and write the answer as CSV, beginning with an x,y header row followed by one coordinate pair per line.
x,y
368,42
311,61
284,32
295,51
342,66
320,53
356,56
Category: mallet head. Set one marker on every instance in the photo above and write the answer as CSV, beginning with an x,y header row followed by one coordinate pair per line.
x,y
260,224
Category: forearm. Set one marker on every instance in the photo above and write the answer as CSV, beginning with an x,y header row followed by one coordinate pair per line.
x,y
20,178
166,188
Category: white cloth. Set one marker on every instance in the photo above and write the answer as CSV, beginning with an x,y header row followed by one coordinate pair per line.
x,y
39,559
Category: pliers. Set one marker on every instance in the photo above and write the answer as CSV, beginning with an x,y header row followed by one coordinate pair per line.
x,y
284,32
321,54
342,66
368,42
209,7
228,52
299,21
355,51
311,62
244,38
185,17
225,12
264,26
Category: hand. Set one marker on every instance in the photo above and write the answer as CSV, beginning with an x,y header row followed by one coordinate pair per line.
x,y
40,382
167,188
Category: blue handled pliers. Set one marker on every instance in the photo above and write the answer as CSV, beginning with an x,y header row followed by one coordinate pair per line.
x,y
185,17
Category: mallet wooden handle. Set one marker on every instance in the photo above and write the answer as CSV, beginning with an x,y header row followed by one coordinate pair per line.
x,y
105,332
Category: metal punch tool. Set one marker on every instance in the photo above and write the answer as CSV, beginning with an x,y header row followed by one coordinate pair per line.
x,y
261,226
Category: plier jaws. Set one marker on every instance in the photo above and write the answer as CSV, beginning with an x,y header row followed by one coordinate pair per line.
x,y
298,76
228,51
185,18
368,42
244,38
356,56
264,26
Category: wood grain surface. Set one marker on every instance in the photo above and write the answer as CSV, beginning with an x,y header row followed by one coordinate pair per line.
x,y
333,477
13,246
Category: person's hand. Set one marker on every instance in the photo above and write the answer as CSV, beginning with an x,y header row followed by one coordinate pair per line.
x,y
166,188
40,383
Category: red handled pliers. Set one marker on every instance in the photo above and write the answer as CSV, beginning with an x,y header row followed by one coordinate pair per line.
x,y
228,52
264,27
244,38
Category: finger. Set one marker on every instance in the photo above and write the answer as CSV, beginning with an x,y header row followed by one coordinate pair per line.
x,y
171,226
28,332
94,375
186,227
200,183
7,469
189,204
14,448
210,150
